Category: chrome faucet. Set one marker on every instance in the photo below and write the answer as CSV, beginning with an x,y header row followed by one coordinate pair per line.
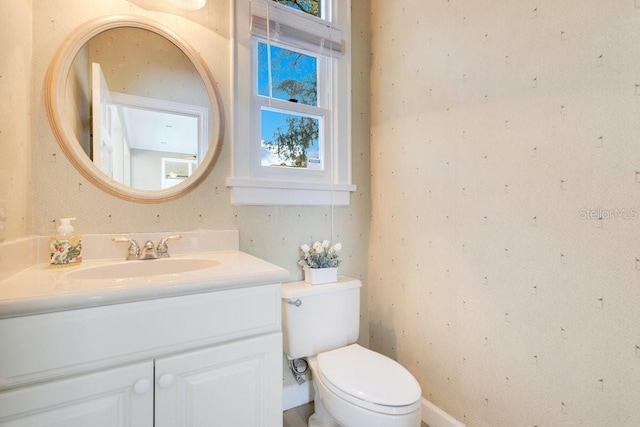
x,y
163,248
134,248
149,250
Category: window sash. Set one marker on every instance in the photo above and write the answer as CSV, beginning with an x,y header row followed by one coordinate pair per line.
x,y
324,137
319,139
326,67
273,21
320,72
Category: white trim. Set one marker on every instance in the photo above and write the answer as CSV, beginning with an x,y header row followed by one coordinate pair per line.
x,y
295,395
436,417
265,192
293,185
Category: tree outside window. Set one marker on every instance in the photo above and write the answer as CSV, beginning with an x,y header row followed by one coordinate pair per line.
x,y
309,6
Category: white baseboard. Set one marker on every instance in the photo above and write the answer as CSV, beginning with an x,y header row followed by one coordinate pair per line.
x,y
295,395
436,417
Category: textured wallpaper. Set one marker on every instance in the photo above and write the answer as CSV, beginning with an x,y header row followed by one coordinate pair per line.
x,y
15,119
504,266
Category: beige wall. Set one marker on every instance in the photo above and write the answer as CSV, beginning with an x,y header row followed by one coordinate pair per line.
x,y
15,118
273,233
498,129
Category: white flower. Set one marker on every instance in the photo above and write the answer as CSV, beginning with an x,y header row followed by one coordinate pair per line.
x,y
320,255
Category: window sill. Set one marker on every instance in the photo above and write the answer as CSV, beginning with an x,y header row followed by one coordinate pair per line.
x,y
267,192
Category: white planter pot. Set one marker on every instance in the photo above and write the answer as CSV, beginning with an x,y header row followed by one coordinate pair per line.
x,y
319,276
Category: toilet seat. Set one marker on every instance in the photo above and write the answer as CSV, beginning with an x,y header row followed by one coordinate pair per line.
x,y
369,380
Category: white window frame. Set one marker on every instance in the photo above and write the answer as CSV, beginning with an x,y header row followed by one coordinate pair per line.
x,y
250,182
323,96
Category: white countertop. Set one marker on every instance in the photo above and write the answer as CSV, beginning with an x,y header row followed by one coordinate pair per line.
x,y
42,289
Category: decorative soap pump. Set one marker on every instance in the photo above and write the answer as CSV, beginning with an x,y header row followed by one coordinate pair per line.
x,y
65,247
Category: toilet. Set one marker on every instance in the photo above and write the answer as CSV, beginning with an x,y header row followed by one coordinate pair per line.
x,y
354,386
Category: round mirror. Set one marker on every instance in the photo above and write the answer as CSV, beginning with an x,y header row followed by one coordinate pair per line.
x,y
135,109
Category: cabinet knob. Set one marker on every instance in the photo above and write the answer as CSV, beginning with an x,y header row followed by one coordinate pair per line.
x,y
165,380
142,386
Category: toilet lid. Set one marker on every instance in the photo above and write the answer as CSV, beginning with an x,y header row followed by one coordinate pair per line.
x,y
369,376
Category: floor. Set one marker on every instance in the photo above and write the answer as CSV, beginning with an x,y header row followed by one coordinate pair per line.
x,y
297,417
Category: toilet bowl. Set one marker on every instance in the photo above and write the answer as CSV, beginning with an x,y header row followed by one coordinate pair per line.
x,y
355,387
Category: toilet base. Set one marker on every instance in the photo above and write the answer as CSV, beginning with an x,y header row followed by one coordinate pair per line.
x,y
314,421
321,418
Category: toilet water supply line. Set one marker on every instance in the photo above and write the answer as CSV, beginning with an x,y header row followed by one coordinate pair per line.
x,y
299,368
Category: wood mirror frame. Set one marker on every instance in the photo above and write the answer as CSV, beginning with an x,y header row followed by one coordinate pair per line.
x,y
56,88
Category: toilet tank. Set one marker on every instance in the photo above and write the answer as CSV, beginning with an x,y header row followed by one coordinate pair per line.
x,y
318,318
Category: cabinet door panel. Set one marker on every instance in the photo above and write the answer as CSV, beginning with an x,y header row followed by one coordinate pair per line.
x,y
236,384
100,399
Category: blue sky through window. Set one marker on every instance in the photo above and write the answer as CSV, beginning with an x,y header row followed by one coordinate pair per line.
x,y
274,123
294,75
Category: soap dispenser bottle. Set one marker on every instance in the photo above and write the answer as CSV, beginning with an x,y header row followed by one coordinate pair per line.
x,y
65,247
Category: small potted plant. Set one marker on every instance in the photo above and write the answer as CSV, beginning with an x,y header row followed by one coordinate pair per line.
x,y
320,262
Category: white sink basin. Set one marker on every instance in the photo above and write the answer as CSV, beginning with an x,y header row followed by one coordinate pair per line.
x,y
202,261
146,268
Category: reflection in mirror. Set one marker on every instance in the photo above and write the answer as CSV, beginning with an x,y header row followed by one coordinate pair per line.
x,y
135,109
142,111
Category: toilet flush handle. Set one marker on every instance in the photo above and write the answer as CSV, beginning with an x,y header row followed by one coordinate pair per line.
x,y
295,302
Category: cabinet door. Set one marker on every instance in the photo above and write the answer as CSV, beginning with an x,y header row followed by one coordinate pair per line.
x,y
231,385
116,397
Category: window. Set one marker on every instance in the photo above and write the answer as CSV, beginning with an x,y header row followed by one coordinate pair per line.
x,y
290,117
291,105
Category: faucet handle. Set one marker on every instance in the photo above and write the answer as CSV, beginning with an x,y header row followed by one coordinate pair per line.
x,y
163,248
134,248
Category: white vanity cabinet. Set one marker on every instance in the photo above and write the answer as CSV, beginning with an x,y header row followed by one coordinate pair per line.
x,y
224,386
116,397
206,359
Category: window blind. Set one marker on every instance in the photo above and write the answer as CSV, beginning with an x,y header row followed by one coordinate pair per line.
x,y
295,28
